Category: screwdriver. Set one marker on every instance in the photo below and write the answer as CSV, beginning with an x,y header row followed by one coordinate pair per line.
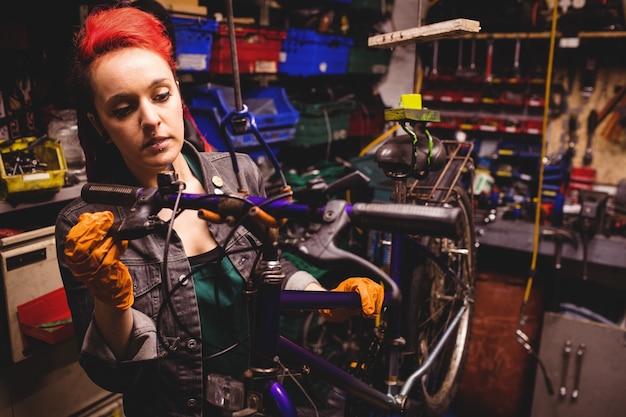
x,y
592,122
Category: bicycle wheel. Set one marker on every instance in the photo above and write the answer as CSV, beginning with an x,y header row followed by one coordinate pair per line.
x,y
434,299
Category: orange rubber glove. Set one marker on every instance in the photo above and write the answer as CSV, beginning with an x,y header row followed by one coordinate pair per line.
x,y
372,297
94,258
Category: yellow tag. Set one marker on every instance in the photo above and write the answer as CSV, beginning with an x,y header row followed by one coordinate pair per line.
x,y
411,101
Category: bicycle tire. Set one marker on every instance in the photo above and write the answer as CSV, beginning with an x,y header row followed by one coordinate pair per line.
x,y
433,297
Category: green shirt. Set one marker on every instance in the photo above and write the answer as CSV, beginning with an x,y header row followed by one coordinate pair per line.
x,y
223,313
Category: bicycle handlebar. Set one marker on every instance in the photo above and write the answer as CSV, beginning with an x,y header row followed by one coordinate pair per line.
x,y
401,218
408,218
320,246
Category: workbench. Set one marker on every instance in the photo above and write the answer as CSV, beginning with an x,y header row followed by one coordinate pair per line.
x,y
606,260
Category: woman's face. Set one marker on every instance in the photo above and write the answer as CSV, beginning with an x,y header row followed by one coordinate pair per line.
x,y
139,106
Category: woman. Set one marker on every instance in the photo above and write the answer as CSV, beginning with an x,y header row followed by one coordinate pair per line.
x,y
126,88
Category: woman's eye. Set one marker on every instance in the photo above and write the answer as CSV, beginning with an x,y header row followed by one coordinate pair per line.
x,y
163,96
122,111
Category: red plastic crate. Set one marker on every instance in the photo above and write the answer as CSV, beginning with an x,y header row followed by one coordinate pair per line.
x,y
582,178
47,318
258,50
533,127
366,121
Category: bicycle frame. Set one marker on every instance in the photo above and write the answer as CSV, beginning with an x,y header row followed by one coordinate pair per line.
x,y
265,391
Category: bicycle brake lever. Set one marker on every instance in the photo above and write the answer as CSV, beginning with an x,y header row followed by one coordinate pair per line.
x,y
141,220
135,227
321,246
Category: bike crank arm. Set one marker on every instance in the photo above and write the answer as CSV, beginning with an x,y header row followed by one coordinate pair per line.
x,y
408,385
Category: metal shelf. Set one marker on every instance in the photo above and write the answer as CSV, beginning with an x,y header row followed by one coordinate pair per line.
x,y
546,35
64,194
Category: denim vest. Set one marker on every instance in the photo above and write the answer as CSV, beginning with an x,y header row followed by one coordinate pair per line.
x,y
164,375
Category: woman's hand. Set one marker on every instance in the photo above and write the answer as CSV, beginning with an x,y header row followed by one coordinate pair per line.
x,y
94,259
372,296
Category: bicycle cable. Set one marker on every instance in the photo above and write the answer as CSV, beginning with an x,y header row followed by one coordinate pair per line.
x,y
170,291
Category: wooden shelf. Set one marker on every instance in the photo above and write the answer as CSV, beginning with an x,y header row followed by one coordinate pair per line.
x,y
441,30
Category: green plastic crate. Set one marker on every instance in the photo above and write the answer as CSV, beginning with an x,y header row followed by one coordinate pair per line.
x,y
365,60
322,122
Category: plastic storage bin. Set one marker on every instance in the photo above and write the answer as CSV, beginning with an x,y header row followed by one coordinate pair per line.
x,y
258,50
194,41
47,318
322,122
367,119
275,116
365,60
17,176
381,185
307,52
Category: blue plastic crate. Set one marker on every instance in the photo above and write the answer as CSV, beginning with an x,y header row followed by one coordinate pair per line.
x,y
194,40
306,52
274,115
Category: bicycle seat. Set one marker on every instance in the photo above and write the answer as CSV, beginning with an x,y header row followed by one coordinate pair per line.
x,y
396,155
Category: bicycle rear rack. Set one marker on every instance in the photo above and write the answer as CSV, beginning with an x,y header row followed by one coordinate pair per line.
x,y
437,187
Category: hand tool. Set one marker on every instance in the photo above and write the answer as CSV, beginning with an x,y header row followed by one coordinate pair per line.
x,y
593,204
608,111
515,76
614,101
567,350
489,95
572,137
578,371
588,78
592,122
434,71
459,65
473,57
560,235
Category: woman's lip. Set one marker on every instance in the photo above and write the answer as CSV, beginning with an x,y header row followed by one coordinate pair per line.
x,y
158,143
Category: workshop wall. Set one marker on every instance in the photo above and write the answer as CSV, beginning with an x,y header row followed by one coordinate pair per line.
x,y
609,139
569,72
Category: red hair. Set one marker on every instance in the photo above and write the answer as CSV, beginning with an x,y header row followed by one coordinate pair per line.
x,y
116,28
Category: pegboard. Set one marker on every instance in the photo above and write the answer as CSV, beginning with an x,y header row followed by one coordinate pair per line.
x,y
608,147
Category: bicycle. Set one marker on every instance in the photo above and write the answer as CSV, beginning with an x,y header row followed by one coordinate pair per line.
x,y
425,281
413,367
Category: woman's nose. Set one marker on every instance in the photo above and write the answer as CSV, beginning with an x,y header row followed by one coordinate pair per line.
x,y
149,117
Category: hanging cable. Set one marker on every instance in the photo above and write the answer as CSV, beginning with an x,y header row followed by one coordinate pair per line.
x,y
521,336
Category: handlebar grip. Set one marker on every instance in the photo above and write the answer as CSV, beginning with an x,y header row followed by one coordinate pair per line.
x,y
409,218
119,195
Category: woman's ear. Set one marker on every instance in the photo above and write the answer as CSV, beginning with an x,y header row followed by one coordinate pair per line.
x,y
98,127
94,123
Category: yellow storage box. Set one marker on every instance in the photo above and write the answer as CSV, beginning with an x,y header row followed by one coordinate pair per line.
x,y
30,165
